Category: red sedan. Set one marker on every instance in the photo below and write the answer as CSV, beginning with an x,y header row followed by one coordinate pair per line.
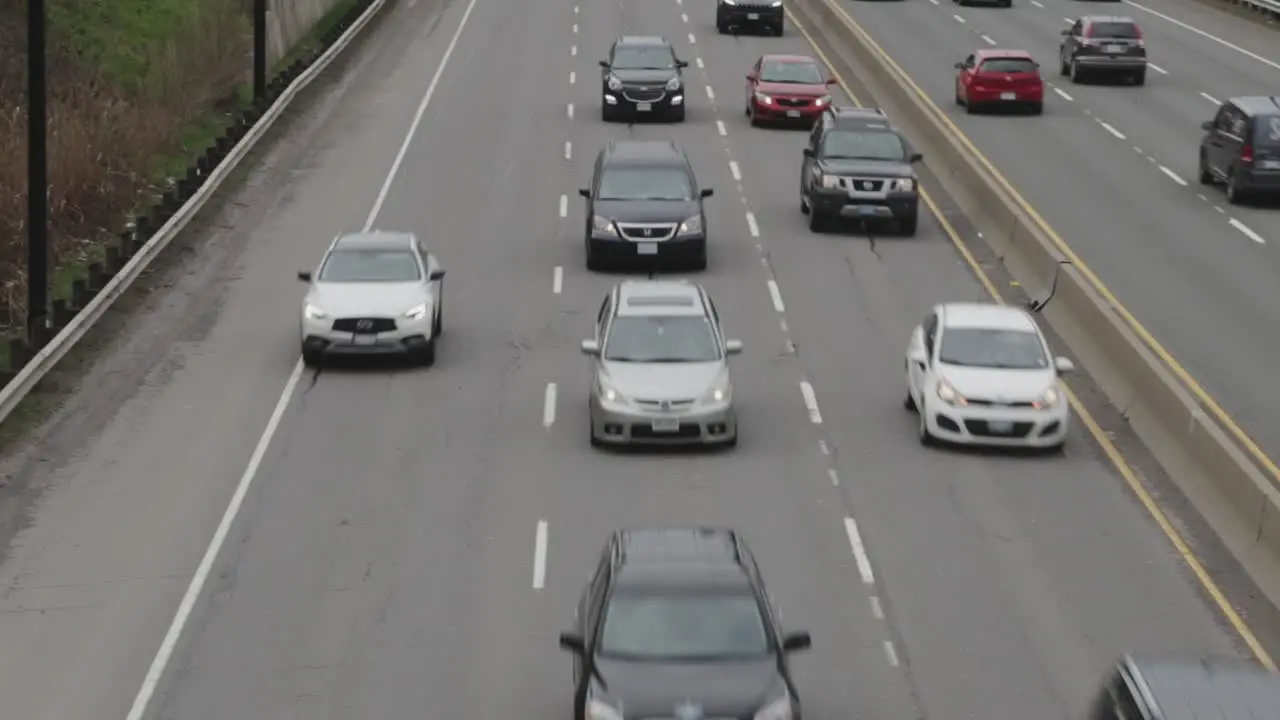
x,y
787,88
1000,78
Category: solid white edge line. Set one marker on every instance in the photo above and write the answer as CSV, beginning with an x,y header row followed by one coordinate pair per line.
x,y
161,661
776,296
733,168
540,555
1173,176
810,402
564,206
549,406
1248,231
859,551
557,280
1063,94
711,94
720,128
751,225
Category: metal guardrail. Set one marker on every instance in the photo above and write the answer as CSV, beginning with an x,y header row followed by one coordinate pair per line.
x,y
1270,6
43,361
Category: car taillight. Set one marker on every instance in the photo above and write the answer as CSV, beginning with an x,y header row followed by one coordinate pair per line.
x,y
1246,154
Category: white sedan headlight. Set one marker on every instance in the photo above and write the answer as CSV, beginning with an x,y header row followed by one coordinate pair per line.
x,y
416,311
949,395
597,710
779,709
692,226
601,224
314,313
614,83
1047,399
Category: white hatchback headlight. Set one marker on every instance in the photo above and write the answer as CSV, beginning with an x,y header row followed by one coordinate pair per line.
x,y
610,394
779,709
949,395
721,392
1047,399
314,313
776,3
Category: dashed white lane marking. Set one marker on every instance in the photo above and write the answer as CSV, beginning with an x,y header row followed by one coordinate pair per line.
x,y
1219,209
573,51
540,555
859,551
564,206
1063,94
876,610
711,94
575,9
733,168
958,18
1157,68
699,61
570,111
835,477
557,280
573,77
575,27
776,296
1037,4
1248,231
684,18
549,406
810,402
935,2
568,150
1173,176
692,40
1210,98
822,447
1137,149
891,653
752,226
987,39
1113,131
720,128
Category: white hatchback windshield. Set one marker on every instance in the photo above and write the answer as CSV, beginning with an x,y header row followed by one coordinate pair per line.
x,y
992,348
683,627
661,339
370,266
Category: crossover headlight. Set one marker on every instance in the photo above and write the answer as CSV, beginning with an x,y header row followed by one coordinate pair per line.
x,y
416,311
720,392
610,394
779,709
314,313
601,224
822,101
673,84
904,185
692,226
1047,399
949,395
597,710
614,83
763,99
830,181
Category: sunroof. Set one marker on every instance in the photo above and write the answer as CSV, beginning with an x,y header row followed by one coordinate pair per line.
x,y
660,300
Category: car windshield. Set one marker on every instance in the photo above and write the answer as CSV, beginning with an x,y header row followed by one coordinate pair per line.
x,y
688,627
1008,65
653,57
1267,132
370,266
804,73
992,348
644,183
1114,31
863,145
665,339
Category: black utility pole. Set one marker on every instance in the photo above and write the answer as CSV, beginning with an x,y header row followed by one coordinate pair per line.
x,y
259,50
37,178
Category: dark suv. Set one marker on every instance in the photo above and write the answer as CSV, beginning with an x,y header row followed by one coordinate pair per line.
x,y
1178,688
642,78
676,623
858,166
644,205
1103,45
1241,148
764,14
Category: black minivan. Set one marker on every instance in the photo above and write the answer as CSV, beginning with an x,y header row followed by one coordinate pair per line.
x,y
1241,148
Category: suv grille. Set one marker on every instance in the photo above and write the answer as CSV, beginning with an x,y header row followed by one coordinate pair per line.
x,y
862,184
364,325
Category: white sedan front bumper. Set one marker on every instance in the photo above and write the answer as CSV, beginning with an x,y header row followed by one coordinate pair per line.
x,y
407,336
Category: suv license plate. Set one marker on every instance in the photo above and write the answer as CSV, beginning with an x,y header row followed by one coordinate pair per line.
x,y
647,249
1000,427
644,107
365,339
1113,49
793,113
666,425
1008,96
753,16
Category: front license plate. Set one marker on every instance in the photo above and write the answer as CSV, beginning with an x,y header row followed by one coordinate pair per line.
x,y
793,113
753,16
647,249
864,210
1113,49
644,107
1000,427
366,339
666,425
1008,96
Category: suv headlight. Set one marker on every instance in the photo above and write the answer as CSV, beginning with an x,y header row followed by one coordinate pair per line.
x,y
692,226
673,84
1047,399
597,710
830,182
601,224
779,709
614,83
763,99
949,395
311,312
416,311
904,185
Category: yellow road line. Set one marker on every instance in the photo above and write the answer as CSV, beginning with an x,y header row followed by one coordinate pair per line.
x,y
1108,447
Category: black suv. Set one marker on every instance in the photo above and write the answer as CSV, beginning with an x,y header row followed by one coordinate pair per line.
x,y
644,205
642,78
676,623
1176,688
1241,148
764,14
858,166
1103,45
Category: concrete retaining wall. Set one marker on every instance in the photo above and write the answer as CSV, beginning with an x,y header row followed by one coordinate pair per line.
x,y
289,21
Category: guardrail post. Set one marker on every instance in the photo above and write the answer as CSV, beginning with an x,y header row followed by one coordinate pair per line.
x,y
37,178
259,52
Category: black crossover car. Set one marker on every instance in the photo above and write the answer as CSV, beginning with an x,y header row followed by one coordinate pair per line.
x,y
744,14
1241,148
858,166
1187,688
676,623
1098,45
642,79
644,206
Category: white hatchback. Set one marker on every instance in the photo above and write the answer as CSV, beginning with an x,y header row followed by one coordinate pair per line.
x,y
982,374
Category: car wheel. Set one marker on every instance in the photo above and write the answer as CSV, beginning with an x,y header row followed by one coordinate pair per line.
x,y
699,262
594,263
427,356
1007,3
970,107
909,400
804,202
959,100
591,430
1055,449
922,429
817,223
731,443
752,117
312,358
1064,68
777,32
677,114
1077,75
1233,191
1140,77
1206,177
907,225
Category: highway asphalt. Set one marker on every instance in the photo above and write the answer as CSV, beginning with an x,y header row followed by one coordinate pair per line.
x,y
1113,169
412,541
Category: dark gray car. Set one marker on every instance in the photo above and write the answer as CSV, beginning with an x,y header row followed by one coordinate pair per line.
x,y
1097,45
644,207
641,78
1241,148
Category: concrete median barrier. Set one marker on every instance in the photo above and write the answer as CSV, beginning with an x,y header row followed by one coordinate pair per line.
x,y
1225,481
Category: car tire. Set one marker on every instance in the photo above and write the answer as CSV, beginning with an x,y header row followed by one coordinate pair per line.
x,y
804,203
1055,449
970,108
677,114
927,438
1140,78
427,355
312,358
1064,67
591,430
1234,196
907,225
777,32
731,443
817,223
1007,3
606,114
594,262
1206,177
1037,108
1077,75
959,100
909,400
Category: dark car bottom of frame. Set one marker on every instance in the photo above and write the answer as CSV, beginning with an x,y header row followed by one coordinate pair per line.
x,y
616,256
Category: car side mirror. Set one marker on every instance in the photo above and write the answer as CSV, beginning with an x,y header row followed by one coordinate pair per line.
x,y
1064,365
573,643
808,152
959,66
585,192
1206,125
682,63
304,276
832,81
590,347
707,192
751,76
919,356
436,275
1066,33
604,64
793,642
917,157
732,347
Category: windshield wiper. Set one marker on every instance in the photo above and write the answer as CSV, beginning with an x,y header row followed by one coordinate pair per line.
x,y
669,360
623,358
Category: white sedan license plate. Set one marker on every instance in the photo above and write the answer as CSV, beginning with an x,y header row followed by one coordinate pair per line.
x,y
753,16
366,339
644,107
666,425
793,113
647,249
1008,96
1000,427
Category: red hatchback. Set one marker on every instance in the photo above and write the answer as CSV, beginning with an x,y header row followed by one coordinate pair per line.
x,y
787,87
1000,78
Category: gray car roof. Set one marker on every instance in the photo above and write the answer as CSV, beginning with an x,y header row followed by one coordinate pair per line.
x,y
642,40
683,577
660,297
631,152
374,240
700,545
1210,688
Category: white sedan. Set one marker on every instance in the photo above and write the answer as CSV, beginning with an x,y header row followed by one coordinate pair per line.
x,y
982,374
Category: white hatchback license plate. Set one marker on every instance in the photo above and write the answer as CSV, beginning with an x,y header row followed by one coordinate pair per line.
x,y
1113,49
647,249
1000,427
644,107
793,113
366,339
753,16
666,425
1008,96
